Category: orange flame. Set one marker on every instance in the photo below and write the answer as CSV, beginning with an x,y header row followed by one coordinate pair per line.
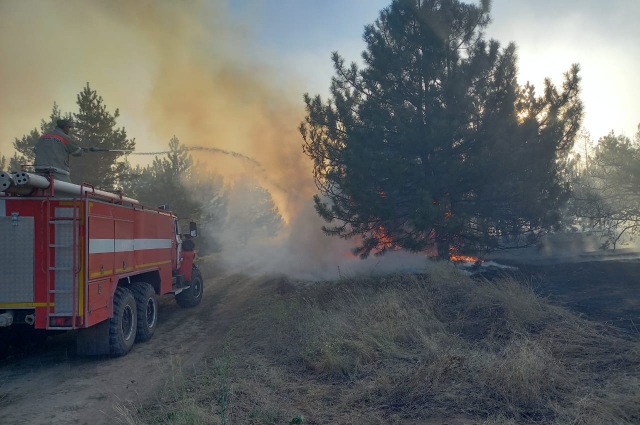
x,y
383,237
454,256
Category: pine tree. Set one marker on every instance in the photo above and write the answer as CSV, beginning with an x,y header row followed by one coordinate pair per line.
x,y
434,141
129,178
176,181
253,215
607,196
95,126
208,190
16,162
163,182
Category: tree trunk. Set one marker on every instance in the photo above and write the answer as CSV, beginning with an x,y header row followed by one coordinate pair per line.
x,y
442,244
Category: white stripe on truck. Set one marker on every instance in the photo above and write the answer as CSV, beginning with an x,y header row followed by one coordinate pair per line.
x,y
104,246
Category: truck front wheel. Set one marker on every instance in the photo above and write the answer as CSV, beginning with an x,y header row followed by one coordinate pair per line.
x,y
147,307
123,324
191,296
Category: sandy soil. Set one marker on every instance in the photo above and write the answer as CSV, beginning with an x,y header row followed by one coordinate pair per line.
x,y
56,387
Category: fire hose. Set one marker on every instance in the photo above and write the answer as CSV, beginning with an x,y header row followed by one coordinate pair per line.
x,y
8,180
193,148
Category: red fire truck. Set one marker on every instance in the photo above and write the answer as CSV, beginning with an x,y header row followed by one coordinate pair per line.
x,y
76,258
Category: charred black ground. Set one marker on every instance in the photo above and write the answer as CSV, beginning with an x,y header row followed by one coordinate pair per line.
x,y
602,291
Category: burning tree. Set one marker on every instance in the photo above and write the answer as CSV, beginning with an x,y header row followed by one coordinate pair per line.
x,y
434,141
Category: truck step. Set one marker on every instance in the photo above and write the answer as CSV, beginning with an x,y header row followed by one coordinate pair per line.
x,y
60,246
61,268
60,291
69,314
61,221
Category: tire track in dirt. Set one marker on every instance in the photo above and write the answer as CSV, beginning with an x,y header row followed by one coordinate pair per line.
x,y
56,387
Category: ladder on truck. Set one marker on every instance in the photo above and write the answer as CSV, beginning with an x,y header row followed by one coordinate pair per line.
x,y
62,268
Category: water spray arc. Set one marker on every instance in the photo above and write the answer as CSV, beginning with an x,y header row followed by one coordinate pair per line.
x,y
198,148
192,148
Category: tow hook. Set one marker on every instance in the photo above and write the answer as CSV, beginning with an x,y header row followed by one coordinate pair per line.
x,y
6,319
30,319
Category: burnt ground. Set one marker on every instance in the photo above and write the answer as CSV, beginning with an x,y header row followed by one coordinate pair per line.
x,y
603,291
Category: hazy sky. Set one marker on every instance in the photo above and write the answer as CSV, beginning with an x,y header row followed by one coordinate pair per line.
x,y
603,36
289,42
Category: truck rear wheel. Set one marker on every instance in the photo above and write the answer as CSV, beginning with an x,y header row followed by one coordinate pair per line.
x,y
123,324
147,307
191,296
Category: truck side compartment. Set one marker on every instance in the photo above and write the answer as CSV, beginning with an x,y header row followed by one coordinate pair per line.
x,y
75,262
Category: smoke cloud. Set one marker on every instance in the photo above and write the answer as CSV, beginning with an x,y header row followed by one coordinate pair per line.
x,y
173,68
303,252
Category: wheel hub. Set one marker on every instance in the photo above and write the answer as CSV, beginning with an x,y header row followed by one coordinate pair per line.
x,y
127,322
151,313
197,287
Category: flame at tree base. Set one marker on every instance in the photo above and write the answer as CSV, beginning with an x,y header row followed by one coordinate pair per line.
x,y
455,257
466,258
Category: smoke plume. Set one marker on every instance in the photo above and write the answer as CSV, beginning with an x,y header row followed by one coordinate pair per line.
x,y
172,68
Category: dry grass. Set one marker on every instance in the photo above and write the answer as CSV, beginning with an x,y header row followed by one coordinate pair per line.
x,y
179,402
415,349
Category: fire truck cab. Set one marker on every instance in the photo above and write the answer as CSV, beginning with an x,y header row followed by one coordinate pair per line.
x,y
76,258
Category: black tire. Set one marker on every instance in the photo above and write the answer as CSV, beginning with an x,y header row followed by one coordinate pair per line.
x,y
123,324
147,307
5,342
191,296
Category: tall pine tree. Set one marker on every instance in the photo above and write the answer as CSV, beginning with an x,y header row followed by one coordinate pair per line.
x,y
96,126
434,142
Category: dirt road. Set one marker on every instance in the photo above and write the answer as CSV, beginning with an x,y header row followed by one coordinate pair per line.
x,y
56,387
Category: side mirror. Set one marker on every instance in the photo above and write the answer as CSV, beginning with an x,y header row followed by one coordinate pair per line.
x,y
193,229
